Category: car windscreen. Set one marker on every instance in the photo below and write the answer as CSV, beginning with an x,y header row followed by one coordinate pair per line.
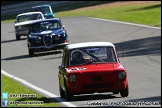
x,y
43,9
28,17
92,55
45,26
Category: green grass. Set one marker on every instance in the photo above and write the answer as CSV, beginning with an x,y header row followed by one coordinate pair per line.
x,y
147,14
140,14
13,87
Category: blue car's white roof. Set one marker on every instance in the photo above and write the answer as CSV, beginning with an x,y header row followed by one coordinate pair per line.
x,y
88,44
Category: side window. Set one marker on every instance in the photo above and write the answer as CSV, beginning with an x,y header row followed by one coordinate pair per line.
x,y
60,23
65,58
111,55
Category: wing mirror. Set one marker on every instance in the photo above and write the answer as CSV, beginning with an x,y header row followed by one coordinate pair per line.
x,y
63,27
61,67
118,60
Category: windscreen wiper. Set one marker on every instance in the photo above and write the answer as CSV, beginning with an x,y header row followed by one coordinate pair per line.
x,y
87,62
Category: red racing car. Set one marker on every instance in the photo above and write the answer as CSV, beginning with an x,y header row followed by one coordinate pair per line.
x,y
91,67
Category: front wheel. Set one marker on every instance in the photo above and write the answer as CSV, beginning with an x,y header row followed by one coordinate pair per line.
x,y
125,92
62,93
68,96
31,53
17,37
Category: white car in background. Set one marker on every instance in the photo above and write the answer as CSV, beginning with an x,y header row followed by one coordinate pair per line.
x,y
23,20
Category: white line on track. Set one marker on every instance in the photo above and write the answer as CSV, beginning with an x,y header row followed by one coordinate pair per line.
x,y
125,23
37,88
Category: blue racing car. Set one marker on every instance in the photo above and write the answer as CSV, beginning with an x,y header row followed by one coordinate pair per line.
x,y
48,34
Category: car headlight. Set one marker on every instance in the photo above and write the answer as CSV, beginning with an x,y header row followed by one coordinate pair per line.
x,y
32,36
35,39
72,78
121,75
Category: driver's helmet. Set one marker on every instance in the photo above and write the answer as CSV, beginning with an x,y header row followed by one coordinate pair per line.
x,y
77,56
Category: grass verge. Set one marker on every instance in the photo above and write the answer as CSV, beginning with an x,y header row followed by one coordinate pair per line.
x,y
12,87
140,13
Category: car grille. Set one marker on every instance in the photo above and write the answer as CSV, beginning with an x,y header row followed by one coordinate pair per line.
x,y
95,86
47,40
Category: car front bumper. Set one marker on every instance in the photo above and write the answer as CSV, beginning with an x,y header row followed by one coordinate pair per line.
x,y
55,46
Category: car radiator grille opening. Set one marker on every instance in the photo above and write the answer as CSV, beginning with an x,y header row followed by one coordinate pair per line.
x,y
93,86
47,40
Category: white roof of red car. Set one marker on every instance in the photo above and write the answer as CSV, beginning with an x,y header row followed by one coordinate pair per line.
x,y
89,44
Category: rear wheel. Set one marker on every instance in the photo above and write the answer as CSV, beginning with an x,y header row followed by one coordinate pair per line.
x,y
17,37
68,96
125,92
31,53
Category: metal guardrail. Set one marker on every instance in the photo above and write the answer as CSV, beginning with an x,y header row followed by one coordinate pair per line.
x,y
26,6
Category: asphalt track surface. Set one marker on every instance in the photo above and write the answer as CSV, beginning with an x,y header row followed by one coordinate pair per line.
x,y
139,50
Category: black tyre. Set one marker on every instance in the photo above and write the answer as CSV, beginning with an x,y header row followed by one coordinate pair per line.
x,y
125,92
31,53
62,93
17,37
68,96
